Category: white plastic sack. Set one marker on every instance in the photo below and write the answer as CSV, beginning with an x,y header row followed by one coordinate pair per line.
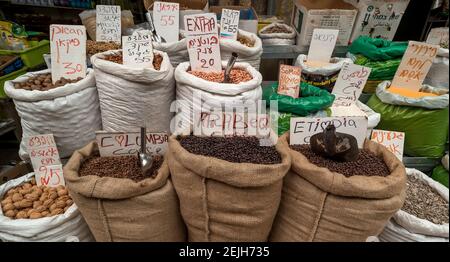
x,y
48,229
438,75
213,94
71,112
373,117
251,55
277,38
430,102
334,67
412,228
130,97
395,233
177,51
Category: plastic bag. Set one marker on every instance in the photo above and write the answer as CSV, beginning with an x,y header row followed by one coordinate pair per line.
x,y
426,130
438,75
378,49
48,229
277,38
440,174
71,112
247,54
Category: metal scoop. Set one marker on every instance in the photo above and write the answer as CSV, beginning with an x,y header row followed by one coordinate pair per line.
x,y
155,36
230,65
145,161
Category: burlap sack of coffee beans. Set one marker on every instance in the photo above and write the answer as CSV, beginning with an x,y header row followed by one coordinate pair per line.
x,y
119,210
224,201
322,206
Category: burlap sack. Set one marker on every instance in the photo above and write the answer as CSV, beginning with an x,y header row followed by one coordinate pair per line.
x,y
122,210
224,201
319,205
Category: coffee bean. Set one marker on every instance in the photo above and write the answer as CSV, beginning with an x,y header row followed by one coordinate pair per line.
x,y
367,163
231,149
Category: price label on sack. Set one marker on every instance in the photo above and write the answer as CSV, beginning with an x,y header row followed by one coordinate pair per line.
x,y
68,51
108,23
129,143
45,159
415,65
138,49
350,84
302,128
289,81
203,42
322,45
229,24
166,17
393,141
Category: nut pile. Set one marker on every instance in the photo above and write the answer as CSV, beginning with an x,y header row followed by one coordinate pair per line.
x,y
30,201
424,202
93,47
157,60
236,76
43,82
119,167
367,163
245,41
232,149
276,29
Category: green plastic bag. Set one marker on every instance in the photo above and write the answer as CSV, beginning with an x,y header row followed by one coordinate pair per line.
x,y
440,174
381,70
311,100
425,129
378,49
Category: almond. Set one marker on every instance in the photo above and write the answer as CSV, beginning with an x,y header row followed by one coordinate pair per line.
x,y
35,215
27,185
44,197
32,197
21,215
53,195
41,209
57,211
47,203
45,213
17,197
7,200
26,203
8,207
69,202
11,213
25,191
52,207
37,204
30,211
63,192
60,204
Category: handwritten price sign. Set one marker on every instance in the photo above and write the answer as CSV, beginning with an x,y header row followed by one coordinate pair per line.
x,y
138,49
438,36
393,141
45,160
415,65
350,84
68,51
322,45
166,18
289,81
229,23
124,144
203,42
108,23
302,128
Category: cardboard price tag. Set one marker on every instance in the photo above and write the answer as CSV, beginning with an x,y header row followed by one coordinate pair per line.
x,y
219,123
138,49
203,42
229,24
322,45
350,83
289,81
68,51
438,36
415,65
108,23
128,143
393,141
45,160
302,128
166,17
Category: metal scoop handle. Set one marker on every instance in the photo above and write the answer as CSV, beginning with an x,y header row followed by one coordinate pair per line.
x,y
230,65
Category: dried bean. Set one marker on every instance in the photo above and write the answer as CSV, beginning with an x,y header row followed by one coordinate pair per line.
x,y
236,76
118,59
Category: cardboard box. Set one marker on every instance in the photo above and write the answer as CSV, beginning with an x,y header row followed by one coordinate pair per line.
x,y
18,170
187,7
248,20
378,18
329,14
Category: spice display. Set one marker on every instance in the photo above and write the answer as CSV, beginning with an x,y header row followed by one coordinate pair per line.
x,y
118,167
236,76
32,201
231,149
424,202
93,47
245,41
367,164
43,82
276,29
157,60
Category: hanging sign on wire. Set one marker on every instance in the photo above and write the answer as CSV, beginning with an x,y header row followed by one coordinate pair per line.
x,y
138,49
108,23
166,18
203,42
68,51
229,24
